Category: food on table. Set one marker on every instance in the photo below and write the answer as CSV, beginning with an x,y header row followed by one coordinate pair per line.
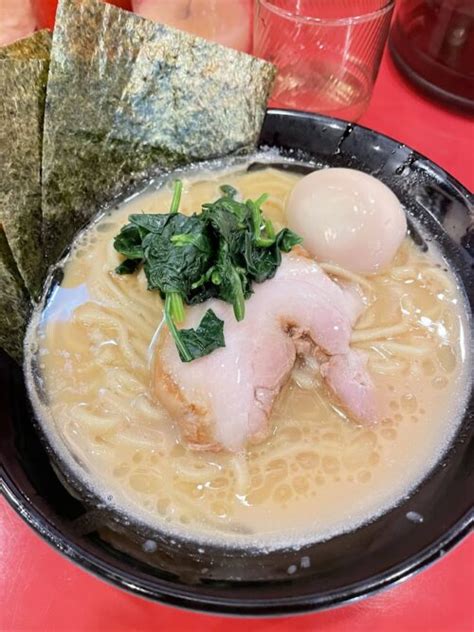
x,y
235,353
323,406
347,217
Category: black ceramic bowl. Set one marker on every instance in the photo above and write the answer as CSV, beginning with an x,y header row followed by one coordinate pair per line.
x,y
346,567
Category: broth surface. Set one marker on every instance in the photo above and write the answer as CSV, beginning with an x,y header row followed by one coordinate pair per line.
x,y
319,473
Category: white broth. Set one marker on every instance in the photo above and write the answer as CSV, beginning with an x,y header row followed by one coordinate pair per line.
x,y
320,473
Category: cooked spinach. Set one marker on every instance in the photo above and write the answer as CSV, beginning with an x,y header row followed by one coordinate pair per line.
x,y
209,335
218,253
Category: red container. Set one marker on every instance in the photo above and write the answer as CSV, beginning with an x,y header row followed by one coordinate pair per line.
x,y
432,42
45,10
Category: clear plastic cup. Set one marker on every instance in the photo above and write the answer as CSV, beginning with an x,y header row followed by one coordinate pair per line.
x,y
327,52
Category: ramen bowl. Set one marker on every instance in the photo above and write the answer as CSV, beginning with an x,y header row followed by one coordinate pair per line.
x,y
247,581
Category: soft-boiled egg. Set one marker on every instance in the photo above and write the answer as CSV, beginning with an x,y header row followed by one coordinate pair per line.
x,y
347,217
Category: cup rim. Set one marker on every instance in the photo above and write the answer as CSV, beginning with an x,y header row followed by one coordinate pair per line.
x,y
306,19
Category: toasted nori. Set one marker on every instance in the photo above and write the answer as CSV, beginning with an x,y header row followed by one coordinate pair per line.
x,y
23,77
15,304
127,96
37,46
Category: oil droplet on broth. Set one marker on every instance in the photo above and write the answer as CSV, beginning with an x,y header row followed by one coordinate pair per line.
x,y
429,367
144,482
300,484
389,434
409,403
330,464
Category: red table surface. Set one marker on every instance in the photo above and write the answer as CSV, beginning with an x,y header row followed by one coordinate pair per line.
x,y
40,590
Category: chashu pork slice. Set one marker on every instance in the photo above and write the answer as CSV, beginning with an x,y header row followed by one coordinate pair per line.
x,y
224,400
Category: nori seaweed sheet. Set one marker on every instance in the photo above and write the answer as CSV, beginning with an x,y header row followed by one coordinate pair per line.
x,y
36,46
127,96
14,304
23,76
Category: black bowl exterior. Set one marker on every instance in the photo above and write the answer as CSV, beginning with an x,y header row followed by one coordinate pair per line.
x,y
235,581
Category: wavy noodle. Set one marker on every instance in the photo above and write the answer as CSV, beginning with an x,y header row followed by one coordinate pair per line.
x,y
388,367
403,273
343,273
131,297
104,316
438,276
97,424
239,466
376,333
197,474
283,452
145,407
129,384
366,320
398,348
102,450
132,436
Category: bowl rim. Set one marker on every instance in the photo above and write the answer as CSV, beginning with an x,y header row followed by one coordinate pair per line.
x,y
189,597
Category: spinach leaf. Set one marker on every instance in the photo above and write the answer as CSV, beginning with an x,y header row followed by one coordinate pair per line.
x,y
129,242
286,240
149,223
228,190
231,281
207,337
261,263
128,266
174,266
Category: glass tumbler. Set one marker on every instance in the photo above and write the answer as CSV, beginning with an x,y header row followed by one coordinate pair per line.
x,y
327,52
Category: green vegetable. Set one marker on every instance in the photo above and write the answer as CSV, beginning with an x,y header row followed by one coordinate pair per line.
x,y
195,343
218,253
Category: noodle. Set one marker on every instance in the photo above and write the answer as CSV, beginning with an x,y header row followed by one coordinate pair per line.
x,y
97,424
387,367
106,318
196,474
376,333
437,275
403,273
241,472
398,348
131,437
338,271
366,320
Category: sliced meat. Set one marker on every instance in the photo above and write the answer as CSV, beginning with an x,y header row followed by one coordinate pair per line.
x,y
347,377
224,400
